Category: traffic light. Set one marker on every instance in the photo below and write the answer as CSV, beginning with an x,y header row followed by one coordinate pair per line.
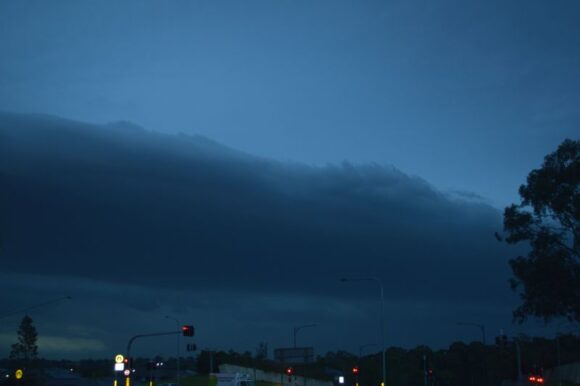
x,y
355,371
187,330
289,372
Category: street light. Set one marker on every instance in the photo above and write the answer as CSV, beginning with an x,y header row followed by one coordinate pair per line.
x,y
379,282
482,328
298,328
178,344
362,347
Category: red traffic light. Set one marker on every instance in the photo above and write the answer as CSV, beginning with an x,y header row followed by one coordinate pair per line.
x,y
187,330
289,370
355,370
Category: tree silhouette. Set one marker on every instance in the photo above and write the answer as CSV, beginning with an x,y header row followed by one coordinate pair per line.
x,y
548,219
26,348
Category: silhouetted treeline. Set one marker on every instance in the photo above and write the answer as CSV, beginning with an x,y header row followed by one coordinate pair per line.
x,y
460,364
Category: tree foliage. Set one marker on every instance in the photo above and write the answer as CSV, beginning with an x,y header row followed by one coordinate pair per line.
x,y
26,348
547,218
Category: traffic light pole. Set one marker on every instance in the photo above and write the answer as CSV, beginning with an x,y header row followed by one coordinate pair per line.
x,y
130,343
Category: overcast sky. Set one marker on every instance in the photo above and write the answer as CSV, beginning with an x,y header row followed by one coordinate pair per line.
x,y
368,137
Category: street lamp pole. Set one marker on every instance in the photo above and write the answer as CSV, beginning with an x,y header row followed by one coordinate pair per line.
x,y
362,347
298,328
482,328
178,346
382,321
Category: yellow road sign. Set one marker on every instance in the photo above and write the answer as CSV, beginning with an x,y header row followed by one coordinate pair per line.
x,y
19,373
119,358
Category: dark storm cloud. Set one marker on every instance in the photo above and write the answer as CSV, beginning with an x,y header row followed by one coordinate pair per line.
x,y
451,79
119,203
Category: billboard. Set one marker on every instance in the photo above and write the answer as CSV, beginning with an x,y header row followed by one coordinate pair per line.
x,y
295,355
